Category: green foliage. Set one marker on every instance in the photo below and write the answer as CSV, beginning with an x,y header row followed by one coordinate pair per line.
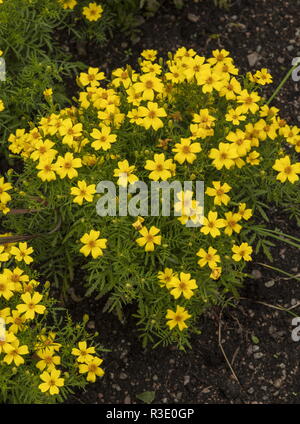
x,y
193,97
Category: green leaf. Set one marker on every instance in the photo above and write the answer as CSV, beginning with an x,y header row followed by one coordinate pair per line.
x,y
254,339
146,397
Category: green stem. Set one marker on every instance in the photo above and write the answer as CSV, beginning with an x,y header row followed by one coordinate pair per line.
x,y
282,83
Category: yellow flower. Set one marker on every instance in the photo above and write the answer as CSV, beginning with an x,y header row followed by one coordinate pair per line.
x,y
240,141
287,171
231,221
125,173
138,224
52,382
216,273
68,4
248,101
48,359
209,79
235,116
149,54
93,12
242,252
243,212
17,322
7,341
43,150
92,244
149,238
160,167
6,287
166,277
177,318
219,191
148,84
185,151
48,92
210,257
70,131
83,192
83,352
211,224
103,138
13,353
15,277
263,77
224,156
65,166
219,56
22,253
30,306
183,285
150,116
92,77
4,256
2,107
46,167
252,158
92,368
4,187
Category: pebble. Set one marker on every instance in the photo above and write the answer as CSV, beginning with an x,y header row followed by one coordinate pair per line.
x,y
123,376
186,380
290,48
155,377
127,400
258,355
251,390
270,283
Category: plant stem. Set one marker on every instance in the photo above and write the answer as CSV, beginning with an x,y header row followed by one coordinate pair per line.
x,y
282,83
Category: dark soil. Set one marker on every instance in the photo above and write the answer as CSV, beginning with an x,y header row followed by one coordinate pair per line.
x,y
256,337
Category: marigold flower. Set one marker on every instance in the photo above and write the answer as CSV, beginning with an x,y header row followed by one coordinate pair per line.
x,y
124,172
92,244
92,368
31,306
211,224
287,171
183,285
177,318
150,116
219,191
166,277
93,12
83,352
65,166
185,151
242,252
149,238
160,167
103,138
210,257
14,353
83,192
52,382
22,253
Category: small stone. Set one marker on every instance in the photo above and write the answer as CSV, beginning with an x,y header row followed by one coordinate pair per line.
x,y
251,390
280,59
290,48
270,283
127,400
91,325
155,377
258,355
186,380
123,376
193,18
256,274
277,383
205,390
253,58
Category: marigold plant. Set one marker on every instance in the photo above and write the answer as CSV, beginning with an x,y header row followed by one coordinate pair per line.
x,y
188,118
44,357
